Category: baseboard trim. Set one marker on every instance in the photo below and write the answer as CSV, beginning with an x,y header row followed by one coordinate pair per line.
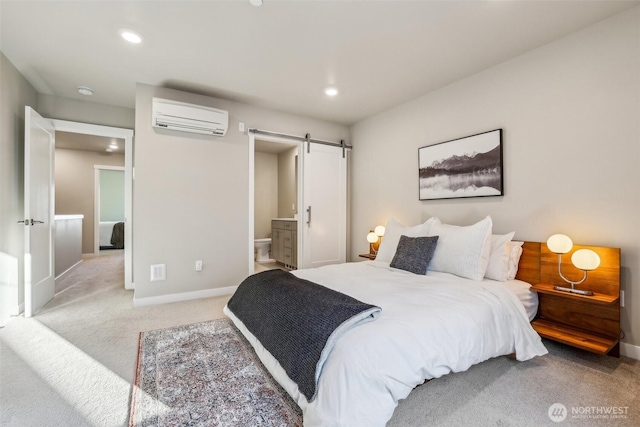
x,y
184,296
630,350
12,313
4,321
68,270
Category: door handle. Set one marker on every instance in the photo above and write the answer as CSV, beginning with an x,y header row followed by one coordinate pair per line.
x,y
28,222
309,218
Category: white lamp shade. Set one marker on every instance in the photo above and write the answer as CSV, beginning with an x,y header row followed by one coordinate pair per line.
x,y
559,244
372,237
380,230
585,259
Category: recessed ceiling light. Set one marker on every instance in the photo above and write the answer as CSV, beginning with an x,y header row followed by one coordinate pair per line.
x,y
331,91
256,3
85,90
113,146
109,150
131,36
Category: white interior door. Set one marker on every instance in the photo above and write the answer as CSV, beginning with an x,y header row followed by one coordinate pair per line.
x,y
39,274
325,206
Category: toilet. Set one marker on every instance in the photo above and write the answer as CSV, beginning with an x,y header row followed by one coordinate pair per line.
x,y
263,246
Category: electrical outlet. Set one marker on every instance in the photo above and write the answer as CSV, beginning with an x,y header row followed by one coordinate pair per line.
x,y
241,127
199,265
621,298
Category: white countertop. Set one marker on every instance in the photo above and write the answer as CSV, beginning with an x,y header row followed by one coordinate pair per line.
x,y
284,219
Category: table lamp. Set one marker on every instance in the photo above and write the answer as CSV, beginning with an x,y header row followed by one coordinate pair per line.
x,y
374,239
583,259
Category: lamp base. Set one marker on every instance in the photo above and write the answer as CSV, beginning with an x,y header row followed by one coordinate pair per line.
x,y
573,291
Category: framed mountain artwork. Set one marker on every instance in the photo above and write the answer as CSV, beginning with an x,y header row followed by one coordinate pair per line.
x,y
464,167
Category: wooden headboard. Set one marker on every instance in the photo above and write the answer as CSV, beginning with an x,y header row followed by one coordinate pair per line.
x,y
529,266
539,265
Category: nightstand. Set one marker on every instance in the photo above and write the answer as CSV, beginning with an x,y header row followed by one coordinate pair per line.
x,y
368,256
591,323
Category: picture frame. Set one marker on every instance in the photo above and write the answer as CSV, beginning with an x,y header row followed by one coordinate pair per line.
x,y
460,168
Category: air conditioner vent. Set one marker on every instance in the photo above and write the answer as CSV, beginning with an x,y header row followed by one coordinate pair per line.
x,y
180,116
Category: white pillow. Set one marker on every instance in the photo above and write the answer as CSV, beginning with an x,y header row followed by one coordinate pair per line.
x,y
515,251
463,251
392,233
498,267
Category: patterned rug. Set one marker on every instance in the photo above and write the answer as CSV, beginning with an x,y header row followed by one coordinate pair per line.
x,y
205,374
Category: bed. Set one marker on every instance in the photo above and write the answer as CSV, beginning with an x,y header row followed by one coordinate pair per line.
x,y
429,325
106,235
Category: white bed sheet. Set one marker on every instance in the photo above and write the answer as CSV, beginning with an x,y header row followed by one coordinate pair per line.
x,y
522,290
429,326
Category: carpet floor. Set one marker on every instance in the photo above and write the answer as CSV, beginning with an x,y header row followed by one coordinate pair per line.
x,y
74,364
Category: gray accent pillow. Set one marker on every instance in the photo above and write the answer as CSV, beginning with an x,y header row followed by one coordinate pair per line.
x,y
414,253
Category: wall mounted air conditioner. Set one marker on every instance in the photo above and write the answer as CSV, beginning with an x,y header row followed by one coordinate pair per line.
x,y
180,116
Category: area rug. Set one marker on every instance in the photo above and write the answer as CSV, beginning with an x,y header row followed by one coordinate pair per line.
x,y
205,374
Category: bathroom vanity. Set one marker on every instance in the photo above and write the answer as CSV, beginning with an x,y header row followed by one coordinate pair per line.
x,y
284,241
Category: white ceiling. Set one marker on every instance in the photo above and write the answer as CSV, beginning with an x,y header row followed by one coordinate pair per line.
x,y
282,55
79,141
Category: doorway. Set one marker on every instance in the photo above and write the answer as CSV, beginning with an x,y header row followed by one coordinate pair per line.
x,y
39,200
108,209
319,232
274,199
125,136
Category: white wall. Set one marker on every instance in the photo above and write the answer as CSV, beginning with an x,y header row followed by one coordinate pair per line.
x,y
570,112
111,195
266,193
191,196
75,110
275,189
68,243
287,183
15,94
75,187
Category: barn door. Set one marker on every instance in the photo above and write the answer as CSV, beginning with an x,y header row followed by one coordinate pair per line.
x,y
325,205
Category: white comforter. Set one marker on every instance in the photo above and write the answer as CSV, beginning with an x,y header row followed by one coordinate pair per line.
x,y
429,326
